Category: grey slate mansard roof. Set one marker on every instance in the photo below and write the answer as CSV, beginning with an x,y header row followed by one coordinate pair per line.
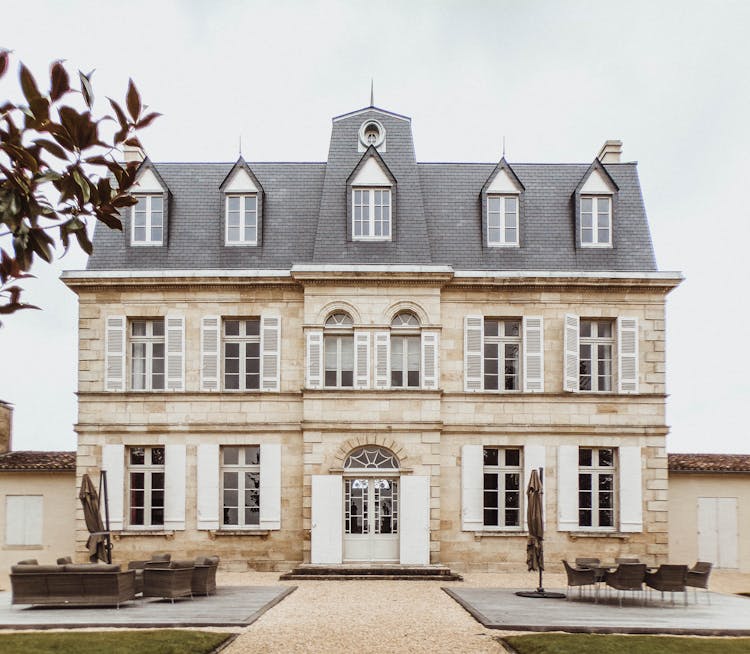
x,y
436,217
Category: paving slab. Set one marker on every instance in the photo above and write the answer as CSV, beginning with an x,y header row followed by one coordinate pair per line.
x,y
231,606
501,608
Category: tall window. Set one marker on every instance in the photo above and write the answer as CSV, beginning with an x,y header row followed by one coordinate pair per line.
x,y
596,487
146,479
371,213
148,220
502,354
242,354
338,341
242,220
502,487
596,221
147,355
406,353
502,220
595,355
240,476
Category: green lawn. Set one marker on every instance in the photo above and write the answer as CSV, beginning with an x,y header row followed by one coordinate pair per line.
x,y
605,644
112,642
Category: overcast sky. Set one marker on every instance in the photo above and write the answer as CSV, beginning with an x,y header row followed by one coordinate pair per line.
x,y
555,78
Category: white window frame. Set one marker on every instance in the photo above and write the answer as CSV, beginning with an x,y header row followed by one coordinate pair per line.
x,y
338,326
408,330
594,213
242,339
149,340
148,469
370,222
149,220
593,342
241,468
244,215
501,218
595,470
500,470
501,340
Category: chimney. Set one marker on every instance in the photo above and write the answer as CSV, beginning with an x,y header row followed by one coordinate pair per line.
x,y
131,153
611,152
6,421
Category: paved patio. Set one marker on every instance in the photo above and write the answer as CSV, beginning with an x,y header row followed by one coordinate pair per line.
x,y
231,606
501,608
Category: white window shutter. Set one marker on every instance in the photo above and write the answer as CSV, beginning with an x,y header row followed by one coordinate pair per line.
x,y
362,360
627,349
473,354
533,352
175,335
114,349
326,519
174,487
567,488
113,461
382,359
270,486
534,458
270,347
415,520
571,379
208,486
472,487
430,360
210,349
315,359
631,489
24,520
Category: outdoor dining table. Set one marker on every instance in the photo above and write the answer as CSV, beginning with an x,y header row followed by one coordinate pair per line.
x,y
602,570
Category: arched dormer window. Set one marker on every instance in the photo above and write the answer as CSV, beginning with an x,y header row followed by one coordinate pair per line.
x,y
338,351
406,355
371,457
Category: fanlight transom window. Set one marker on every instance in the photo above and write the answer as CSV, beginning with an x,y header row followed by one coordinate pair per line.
x,y
371,457
339,320
405,320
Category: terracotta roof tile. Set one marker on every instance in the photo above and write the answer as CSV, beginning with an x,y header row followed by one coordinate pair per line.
x,y
41,461
709,462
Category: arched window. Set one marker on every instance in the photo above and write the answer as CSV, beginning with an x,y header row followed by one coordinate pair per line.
x,y
371,457
338,341
406,352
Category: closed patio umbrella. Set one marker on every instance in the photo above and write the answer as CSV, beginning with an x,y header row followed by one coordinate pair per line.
x,y
535,543
98,542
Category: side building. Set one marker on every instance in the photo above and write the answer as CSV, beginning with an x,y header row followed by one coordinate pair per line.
x,y
362,360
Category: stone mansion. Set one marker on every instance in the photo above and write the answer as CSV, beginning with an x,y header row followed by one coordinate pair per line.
x,y
362,360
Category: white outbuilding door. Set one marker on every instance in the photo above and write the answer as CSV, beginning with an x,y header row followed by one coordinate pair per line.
x,y
717,531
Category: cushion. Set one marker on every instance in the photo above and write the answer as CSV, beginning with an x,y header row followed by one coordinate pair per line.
x,y
63,560
182,564
161,556
202,560
212,560
92,567
34,569
28,562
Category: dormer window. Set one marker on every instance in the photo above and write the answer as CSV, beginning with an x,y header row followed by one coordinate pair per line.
x,y
371,133
596,221
502,220
147,226
371,214
242,219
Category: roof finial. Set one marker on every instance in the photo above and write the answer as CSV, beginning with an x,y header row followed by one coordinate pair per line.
x,y
503,146
240,146
372,92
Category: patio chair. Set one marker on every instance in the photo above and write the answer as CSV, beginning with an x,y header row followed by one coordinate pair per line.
x,y
169,583
157,560
584,562
627,577
204,575
697,577
581,577
669,578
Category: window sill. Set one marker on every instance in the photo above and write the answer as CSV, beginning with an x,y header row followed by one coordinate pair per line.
x,y
117,535
218,533
497,533
575,535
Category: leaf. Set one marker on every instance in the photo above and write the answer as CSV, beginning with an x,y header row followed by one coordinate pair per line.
x,y
147,120
121,117
83,240
60,82
86,89
28,84
52,148
83,183
133,142
4,58
133,101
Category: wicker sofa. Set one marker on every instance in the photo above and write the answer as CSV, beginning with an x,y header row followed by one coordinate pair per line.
x,y
80,584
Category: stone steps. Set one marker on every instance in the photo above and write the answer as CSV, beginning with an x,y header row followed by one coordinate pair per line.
x,y
372,571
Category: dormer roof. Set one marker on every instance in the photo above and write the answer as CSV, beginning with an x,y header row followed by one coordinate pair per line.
x,y
371,171
503,179
241,179
597,181
148,179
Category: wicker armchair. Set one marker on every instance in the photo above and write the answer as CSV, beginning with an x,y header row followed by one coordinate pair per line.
x,y
581,577
669,578
584,562
204,575
158,560
697,577
169,583
627,577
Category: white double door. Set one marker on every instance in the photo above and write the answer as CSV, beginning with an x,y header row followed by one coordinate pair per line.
x,y
717,531
371,520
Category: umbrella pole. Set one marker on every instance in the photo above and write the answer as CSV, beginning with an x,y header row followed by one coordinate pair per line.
x,y
105,497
